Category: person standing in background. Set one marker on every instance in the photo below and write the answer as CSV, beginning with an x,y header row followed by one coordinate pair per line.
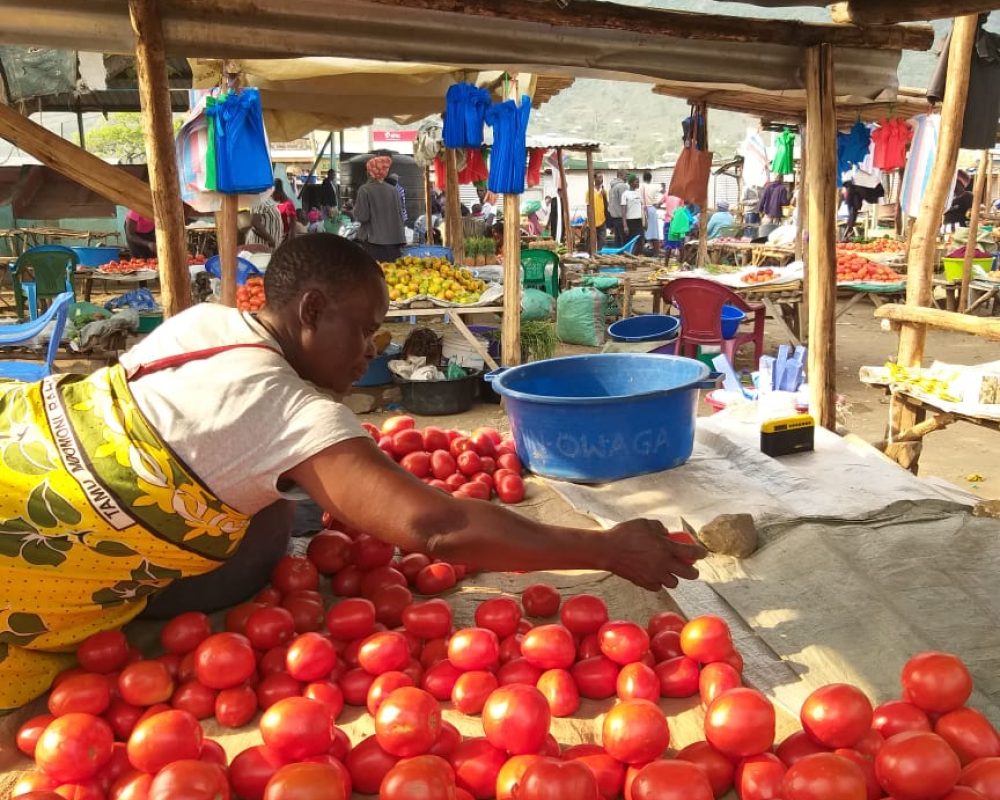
x,y
719,221
598,200
285,207
631,211
266,227
377,209
328,194
651,199
486,200
680,225
140,235
616,222
393,180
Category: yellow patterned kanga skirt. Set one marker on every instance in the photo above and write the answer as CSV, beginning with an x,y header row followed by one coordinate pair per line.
x,y
96,514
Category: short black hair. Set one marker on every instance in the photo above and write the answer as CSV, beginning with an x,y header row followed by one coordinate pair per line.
x,y
319,258
647,176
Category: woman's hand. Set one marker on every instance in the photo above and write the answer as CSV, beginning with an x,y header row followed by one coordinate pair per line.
x,y
640,551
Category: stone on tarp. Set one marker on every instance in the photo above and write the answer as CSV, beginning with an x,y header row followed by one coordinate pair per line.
x,y
730,535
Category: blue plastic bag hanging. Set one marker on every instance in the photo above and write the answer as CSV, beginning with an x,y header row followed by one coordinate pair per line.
x,y
242,158
508,160
466,107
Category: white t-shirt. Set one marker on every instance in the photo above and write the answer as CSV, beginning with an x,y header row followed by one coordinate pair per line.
x,y
632,200
239,419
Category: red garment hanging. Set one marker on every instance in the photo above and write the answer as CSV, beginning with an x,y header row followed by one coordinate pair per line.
x,y
440,173
536,157
891,139
475,167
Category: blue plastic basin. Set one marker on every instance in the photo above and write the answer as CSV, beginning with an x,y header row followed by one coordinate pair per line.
x,y
93,257
598,418
378,373
645,328
731,319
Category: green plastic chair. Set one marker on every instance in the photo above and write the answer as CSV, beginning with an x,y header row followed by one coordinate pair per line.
x,y
42,272
534,265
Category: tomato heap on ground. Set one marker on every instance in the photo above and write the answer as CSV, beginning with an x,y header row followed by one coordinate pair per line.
x,y
121,727
250,296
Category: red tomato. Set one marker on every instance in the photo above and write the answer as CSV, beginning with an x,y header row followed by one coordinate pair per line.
x,y
740,723
540,600
74,747
610,774
969,733
192,780
867,767
519,670
310,657
510,776
408,722
936,682
583,614
510,461
386,651
411,564
837,715
679,677
145,683
384,685
268,596
330,551
88,790
623,642
468,462
560,691
185,632
474,649
443,464
347,582
461,444
719,770
307,781
224,660
417,463
455,482
516,718
294,572
436,578
103,652
635,732
368,764
431,619
671,780
355,684
424,777
870,744
195,698
549,647
546,778
35,783
964,793
706,639
448,739
401,422
369,552
760,777
665,621
500,615
983,776
510,488
470,691
169,736
307,612
390,601
596,678
236,617
439,680
235,707
824,776
797,746
122,717
477,765
898,716
716,678
917,766
474,490
272,661
88,693
28,733
269,627
297,727
277,686
666,645
435,439
638,682
351,619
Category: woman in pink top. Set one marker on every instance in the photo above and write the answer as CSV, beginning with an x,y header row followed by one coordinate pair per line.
x,y
285,207
140,235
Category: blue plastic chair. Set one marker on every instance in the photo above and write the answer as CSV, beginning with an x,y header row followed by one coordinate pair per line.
x,y
23,332
51,267
429,251
244,269
628,247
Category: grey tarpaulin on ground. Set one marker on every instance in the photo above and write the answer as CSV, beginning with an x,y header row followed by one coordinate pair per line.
x,y
861,564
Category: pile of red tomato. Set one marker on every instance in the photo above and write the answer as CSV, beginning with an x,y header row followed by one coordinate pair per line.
x,y
122,727
858,268
250,296
477,465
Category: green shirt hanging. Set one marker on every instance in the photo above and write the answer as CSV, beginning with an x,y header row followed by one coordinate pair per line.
x,y
784,156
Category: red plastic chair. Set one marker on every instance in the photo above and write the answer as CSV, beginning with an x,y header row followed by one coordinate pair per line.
x,y
700,302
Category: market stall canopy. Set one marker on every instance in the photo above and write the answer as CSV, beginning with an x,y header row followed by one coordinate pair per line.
x,y
585,38
882,12
553,141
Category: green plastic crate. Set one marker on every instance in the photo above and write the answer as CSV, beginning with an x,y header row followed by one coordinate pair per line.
x,y
149,321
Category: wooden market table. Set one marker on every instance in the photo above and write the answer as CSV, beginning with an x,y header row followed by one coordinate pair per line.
x,y
454,315
980,293
743,254
21,239
878,297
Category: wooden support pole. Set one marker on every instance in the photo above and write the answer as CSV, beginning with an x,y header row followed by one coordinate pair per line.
x,y
802,235
909,316
564,196
75,163
703,220
226,235
591,197
924,234
821,115
887,12
972,245
158,133
510,331
454,229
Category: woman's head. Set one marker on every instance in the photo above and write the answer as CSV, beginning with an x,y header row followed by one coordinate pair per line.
x,y
326,298
279,191
647,177
378,167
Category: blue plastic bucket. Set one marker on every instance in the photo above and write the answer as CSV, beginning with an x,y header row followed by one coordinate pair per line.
x,y
645,328
731,319
93,257
378,373
598,418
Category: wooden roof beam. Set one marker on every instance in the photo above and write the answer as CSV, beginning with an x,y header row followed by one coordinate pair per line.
x,y
714,27
885,12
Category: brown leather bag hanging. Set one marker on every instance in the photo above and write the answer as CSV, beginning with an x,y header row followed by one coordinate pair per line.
x,y
691,174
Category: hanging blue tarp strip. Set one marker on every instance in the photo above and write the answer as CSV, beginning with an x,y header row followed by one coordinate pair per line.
x,y
463,121
508,161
